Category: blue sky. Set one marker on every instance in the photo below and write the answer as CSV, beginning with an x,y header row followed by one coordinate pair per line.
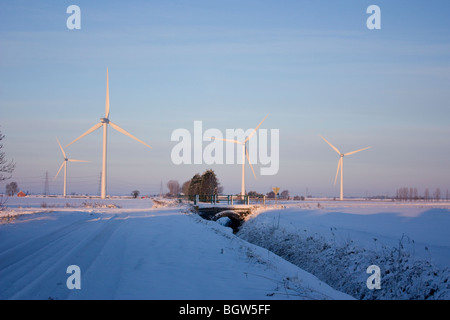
x,y
313,66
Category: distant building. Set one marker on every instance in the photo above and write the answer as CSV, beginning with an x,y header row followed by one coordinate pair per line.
x,y
21,194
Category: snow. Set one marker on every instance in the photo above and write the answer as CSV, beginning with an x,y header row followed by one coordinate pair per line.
x,y
337,241
158,249
137,249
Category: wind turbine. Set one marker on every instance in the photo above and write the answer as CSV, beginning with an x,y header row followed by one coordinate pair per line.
x,y
64,164
244,154
104,123
341,164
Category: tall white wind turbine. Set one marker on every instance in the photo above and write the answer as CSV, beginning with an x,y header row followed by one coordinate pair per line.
x,y
64,164
104,123
341,164
245,154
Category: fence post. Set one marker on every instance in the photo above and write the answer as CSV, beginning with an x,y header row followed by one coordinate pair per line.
x,y
264,200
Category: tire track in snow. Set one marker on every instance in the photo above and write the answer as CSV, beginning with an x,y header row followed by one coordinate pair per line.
x,y
17,254
93,254
42,274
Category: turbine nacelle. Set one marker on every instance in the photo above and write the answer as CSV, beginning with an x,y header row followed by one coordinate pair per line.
x,y
104,120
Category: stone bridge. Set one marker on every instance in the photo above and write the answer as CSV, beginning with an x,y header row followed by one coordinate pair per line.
x,y
236,213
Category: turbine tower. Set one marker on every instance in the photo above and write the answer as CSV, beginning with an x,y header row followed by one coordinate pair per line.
x,y
244,154
64,164
104,122
341,164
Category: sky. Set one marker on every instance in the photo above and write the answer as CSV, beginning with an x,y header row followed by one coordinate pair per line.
x,y
314,67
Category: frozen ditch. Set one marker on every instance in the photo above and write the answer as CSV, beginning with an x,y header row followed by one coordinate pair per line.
x,y
340,257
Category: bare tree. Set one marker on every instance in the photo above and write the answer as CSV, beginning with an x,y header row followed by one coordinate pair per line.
x,y
12,188
284,194
135,193
254,194
5,165
174,188
402,193
416,194
270,195
437,194
426,194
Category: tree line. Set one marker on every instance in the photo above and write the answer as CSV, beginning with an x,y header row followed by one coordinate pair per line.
x,y
205,184
271,195
412,194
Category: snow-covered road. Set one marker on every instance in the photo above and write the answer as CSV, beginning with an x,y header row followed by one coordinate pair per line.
x,y
142,253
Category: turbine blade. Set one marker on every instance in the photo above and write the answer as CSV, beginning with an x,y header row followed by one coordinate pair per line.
x,y
337,171
254,130
74,160
98,125
62,150
251,166
335,149
349,153
62,165
116,127
107,96
228,140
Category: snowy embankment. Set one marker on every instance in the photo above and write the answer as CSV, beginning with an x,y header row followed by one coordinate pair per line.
x,y
337,241
138,249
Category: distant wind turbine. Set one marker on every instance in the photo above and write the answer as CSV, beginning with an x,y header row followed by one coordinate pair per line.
x,y
244,154
104,123
64,164
341,164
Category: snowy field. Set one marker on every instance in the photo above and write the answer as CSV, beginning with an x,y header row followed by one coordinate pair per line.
x,y
137,249
338,240
153,249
